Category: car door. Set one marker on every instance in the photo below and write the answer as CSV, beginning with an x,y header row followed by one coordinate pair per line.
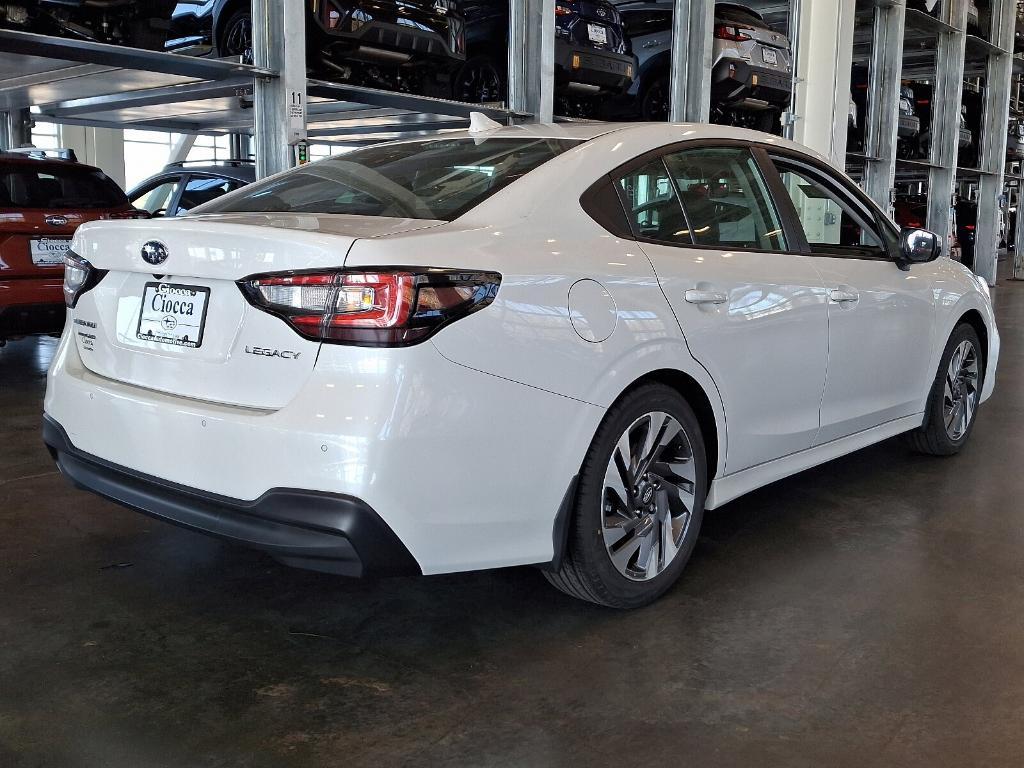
x,y
751,305
881,318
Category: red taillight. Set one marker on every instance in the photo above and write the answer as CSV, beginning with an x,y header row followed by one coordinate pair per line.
x,y
379,308
563,10
915,225
726,32
969,227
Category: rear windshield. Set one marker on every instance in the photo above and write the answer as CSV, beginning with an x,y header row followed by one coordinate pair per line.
x,y
23,186
739,16
438,179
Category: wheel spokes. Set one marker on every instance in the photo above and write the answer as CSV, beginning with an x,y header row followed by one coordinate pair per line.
x,y
649,496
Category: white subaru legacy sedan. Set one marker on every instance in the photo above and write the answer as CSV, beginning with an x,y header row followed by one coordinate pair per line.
x,y
535,345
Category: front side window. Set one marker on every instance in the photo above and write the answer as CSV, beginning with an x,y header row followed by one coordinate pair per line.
x,y
203,189
652,206
158,197
436,179
725,199
833,222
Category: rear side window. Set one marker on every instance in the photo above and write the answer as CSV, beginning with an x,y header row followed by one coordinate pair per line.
x,y
23,186
725,199
652,206
438,179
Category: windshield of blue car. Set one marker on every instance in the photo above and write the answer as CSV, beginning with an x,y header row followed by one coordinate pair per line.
x,y
436,179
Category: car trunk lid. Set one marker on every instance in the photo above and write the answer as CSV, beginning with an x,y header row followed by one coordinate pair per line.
x,y
183,326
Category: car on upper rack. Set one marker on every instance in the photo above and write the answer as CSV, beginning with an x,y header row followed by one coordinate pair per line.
x,y
406,45
751,76
593,58
182,186
44,196
615,326
1015,139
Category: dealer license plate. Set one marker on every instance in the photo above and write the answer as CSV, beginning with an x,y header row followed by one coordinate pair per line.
x,y
770,56
48,251
173,314
597,34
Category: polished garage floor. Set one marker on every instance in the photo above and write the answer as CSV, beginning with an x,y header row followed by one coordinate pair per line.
x,y
869,612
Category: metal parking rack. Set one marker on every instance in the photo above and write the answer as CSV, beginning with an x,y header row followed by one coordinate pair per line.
x,y
84,83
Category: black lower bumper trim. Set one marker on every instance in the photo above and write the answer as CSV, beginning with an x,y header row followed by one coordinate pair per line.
x,y
307,529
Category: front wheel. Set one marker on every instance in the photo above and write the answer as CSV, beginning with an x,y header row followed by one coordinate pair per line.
x,y
954,398
639,503
656,99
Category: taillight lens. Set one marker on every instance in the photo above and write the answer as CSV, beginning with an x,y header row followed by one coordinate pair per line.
x,y
385,308
563,10
726,32
79,277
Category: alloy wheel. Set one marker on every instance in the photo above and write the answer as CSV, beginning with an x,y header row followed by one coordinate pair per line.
x,y
238,39
479,83
648,497
960,394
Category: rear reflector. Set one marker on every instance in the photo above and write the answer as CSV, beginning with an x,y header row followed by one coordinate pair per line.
x,y
394,307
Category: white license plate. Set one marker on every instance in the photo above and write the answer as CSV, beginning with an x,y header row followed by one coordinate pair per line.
x,y
48,251
906,106
770,56
173,314
597,34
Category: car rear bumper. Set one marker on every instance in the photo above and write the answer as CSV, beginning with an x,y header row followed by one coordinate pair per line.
x,y
404,433
415,41
734,80
319,531
588,66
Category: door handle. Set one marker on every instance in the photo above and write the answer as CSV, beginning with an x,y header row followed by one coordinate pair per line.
x,y
693,296
840,295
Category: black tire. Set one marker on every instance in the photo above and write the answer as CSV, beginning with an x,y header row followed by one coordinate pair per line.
x,y
655,100
479,80
587,571
235,38
932,437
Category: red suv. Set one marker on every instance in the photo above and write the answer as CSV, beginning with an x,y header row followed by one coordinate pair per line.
x,y
42,202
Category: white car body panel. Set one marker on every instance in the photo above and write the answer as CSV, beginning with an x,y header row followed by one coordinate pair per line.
x,y
467,444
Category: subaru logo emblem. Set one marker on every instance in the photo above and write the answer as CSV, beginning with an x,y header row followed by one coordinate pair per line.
x,y
57,221
154,252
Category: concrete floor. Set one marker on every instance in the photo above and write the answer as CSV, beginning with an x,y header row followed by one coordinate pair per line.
x,y
864,613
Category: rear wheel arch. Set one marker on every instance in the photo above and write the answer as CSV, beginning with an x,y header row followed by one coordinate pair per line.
x,y
224,13
698,399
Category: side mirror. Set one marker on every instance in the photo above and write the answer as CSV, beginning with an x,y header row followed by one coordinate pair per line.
x,y
918,246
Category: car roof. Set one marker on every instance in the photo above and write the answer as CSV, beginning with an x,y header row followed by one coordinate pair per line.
x,y
229,170
16,158
586,131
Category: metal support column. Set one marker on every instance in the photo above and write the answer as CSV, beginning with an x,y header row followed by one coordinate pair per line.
x,y
15,128
240,146
945,128
531,58
692,57
883,102
998,72
279,44
181,148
